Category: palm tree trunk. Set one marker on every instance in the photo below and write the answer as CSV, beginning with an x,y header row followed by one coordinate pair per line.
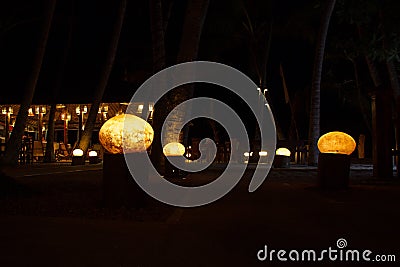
x,y
86,137
195,15
381,121
15,142
394,81
314,131
158,29
49,155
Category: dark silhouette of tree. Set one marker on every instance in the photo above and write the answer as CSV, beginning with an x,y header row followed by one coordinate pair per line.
x,y
49,155
15,142
85,139
377,43
195,15
158,29
314,131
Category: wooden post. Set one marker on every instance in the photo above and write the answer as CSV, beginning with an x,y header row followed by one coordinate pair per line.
x,y
361,146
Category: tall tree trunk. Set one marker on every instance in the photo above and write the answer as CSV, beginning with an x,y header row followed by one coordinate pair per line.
x,y
86,137
394,81
15,142
195,15
315,116
158,29
50,155
381,120
364,112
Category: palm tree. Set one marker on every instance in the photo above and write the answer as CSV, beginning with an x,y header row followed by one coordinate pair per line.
x,y
314,131
85,139
195,15
15,142
158,27
49,155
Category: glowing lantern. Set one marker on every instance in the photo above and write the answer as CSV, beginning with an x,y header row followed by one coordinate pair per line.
x,y
263,153
93,153
336,143
126,133
248,154
283,152
174,149
77,152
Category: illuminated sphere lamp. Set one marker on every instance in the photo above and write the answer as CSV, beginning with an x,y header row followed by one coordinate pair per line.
x,y
126,133
336,143
334,160
283,151
93,153
246,156
263,157
282,158
174,149
93,157
123,136
77,152
77,157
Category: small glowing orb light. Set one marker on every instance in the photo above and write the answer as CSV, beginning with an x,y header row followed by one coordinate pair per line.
x,y
174,149
126,133
92,153
263,153
77,152
282,151
336,143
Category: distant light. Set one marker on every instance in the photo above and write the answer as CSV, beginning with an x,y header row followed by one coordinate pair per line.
x,y
140,108
30,112
77,152
93,153
283,152
263,153
248,154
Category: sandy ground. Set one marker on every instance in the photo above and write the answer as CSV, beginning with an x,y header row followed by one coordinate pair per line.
x,y
58,219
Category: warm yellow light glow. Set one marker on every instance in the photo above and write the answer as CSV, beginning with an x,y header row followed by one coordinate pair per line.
x,y
174,149
282,151
93,153
40,110
77,152
126,133
140,108
248,154
263,153
337,143
30,112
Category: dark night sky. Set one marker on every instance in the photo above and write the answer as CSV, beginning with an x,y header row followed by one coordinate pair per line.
x,y
92,23
223,40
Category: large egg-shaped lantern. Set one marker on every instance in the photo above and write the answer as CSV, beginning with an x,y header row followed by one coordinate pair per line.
x,y
126,133
174,149
336,143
